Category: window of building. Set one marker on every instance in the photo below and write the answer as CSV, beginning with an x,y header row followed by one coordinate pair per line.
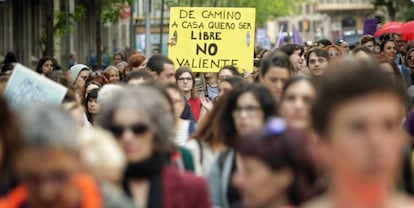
x,y
300,26
284,26
307,9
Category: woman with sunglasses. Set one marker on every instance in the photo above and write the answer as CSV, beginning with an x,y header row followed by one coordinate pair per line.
x,y
275,170
245,110
144,128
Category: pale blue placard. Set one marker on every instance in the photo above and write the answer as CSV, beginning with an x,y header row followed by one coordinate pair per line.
x,y
26,87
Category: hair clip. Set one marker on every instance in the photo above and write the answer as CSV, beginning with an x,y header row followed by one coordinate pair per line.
x,y
276,126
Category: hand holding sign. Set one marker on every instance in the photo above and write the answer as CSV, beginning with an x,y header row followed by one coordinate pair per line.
x,y
27,87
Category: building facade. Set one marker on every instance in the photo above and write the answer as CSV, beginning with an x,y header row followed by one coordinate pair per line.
x,y
22,27
331,19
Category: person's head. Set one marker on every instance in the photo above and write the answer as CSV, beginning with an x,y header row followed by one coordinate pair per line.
x,y
358,114
323,43
137,62
177,98
296,55
363,53
45,65
276,70
388,49
317,61
138,77
228,84
186,81
117,58
334,51
409,58
298,95
162,68
76,110
344,46
155,51
275,169
91,85
368,41
107,92
97,145
227,72
79,73
121,66
377,49
10,137
47,164
245,110
391,68
91,105
10,58
112,74
396,37
143,127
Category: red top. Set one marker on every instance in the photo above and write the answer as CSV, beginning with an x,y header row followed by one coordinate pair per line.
x,y
195,105
184,190
88,188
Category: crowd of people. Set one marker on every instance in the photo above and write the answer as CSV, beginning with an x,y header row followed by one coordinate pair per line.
x,y
327,125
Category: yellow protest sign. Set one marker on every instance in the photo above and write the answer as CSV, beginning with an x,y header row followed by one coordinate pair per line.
x,y
206,39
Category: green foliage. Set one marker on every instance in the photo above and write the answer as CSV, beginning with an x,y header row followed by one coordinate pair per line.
x,y
112,9
59,27
409,14
397,9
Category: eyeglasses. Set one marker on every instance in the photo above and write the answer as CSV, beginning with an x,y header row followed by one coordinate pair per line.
x,y
223,77
137,129
249,110
182,79
319,60
336,53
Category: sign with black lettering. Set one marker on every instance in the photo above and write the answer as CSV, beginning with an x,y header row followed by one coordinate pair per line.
x,y
206,39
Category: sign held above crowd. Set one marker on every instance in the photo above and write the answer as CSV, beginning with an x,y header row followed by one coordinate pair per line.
x,y
206,39
26,87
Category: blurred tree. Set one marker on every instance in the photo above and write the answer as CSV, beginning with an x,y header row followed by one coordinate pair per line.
x,y
55,25
397,9
108,11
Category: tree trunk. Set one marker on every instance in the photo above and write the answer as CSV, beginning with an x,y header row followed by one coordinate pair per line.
x,y
161,24
98,10
49,29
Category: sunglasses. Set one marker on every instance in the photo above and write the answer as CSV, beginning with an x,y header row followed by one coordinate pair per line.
x,y
137,129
